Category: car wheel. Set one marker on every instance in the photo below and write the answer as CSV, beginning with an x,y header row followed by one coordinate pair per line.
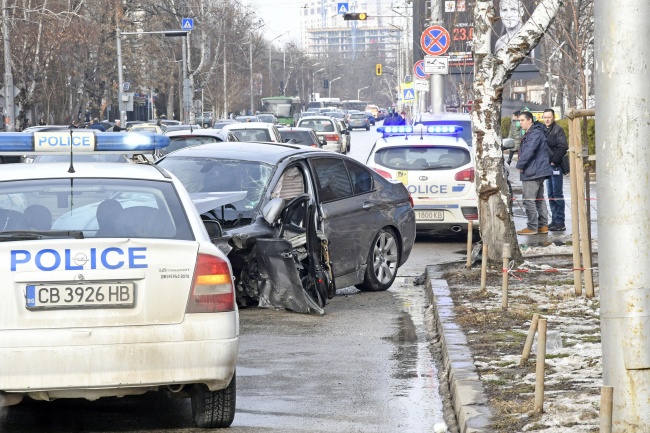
x,y
214,409
368,128
383,260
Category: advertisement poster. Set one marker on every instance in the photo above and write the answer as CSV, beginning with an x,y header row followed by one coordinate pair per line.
x,y
510,15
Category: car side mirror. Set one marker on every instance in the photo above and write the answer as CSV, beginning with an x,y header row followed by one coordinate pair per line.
x,y
272,210
213,228
507,144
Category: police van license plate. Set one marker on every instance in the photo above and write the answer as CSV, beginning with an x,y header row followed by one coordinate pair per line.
x,y
429,215
98,295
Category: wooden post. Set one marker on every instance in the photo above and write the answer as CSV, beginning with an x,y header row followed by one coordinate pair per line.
x,y
575,227
529,340
582,214
539,367
606,405
470,231
504,289
484,260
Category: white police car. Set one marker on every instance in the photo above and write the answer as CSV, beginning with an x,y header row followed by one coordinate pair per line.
x,y
111,285
437,168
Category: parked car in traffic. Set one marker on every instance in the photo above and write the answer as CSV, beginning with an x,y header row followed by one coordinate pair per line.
x,y
327,129
308,221
370,117
359,120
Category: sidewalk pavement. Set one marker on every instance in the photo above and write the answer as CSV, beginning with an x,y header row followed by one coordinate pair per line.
x,y
466,389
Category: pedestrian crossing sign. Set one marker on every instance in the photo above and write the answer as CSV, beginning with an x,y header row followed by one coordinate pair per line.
x,y
342,8
409,95
187,23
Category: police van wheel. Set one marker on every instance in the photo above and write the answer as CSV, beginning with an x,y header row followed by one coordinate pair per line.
x,y
382,264
214,409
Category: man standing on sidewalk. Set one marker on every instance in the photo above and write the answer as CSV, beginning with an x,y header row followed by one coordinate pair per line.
x,y
557,142
534,168
515,134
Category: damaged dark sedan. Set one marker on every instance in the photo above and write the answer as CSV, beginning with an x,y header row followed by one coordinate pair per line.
x,y
301,222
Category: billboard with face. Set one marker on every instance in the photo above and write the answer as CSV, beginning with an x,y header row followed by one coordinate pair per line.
x,y
510,15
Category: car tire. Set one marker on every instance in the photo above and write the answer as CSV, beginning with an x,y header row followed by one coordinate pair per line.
x,y
368,128
383,261
214,409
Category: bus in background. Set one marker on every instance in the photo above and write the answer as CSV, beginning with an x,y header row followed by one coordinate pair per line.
x,y
285,108
325,102
374,110
354,104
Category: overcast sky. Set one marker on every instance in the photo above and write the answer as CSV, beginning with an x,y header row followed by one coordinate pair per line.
x,y
280,16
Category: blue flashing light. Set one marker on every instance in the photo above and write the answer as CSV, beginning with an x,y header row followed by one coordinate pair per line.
x,y
80,141
130,142
389,131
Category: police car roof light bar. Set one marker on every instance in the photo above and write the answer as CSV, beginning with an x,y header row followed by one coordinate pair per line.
x,y
388,131
80,141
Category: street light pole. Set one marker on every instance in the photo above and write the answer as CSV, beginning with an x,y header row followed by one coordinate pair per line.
x,y
329,90
313,83
359,92
120,79
250,69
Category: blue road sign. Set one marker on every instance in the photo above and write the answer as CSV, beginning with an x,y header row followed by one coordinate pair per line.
x,y
187,23
435,40
418,70
342,8
409,95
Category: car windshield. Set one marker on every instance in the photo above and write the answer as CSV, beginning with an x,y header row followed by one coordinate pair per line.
x,y
422,157
223,175
107,208
181,142
252,134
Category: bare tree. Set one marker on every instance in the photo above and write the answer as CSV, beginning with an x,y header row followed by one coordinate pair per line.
x,y
491,71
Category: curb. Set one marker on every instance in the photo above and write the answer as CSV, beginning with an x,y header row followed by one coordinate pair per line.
x,y
467,396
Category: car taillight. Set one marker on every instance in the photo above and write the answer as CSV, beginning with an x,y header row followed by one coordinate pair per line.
x,y
470,213
411,201
466,175
212,288
383,173
332,137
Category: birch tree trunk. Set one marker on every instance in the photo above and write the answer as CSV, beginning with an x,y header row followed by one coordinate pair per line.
x,y
491,71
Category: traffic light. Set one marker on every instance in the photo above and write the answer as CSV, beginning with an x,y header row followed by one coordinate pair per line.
x,y
378,69
326,84
356,16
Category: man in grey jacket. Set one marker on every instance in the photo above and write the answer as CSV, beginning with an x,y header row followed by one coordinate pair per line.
x,y
557,143
534,168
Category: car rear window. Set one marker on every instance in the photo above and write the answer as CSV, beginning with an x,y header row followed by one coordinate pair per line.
x,y
300,137
318,125
181,142
357,116
422,157
252,134
107,208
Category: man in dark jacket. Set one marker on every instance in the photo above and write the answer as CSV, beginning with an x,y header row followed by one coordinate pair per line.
x,y
534,168
94,124
557,142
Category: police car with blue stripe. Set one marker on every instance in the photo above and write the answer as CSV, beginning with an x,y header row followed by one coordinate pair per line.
x,y
111,285
437,167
